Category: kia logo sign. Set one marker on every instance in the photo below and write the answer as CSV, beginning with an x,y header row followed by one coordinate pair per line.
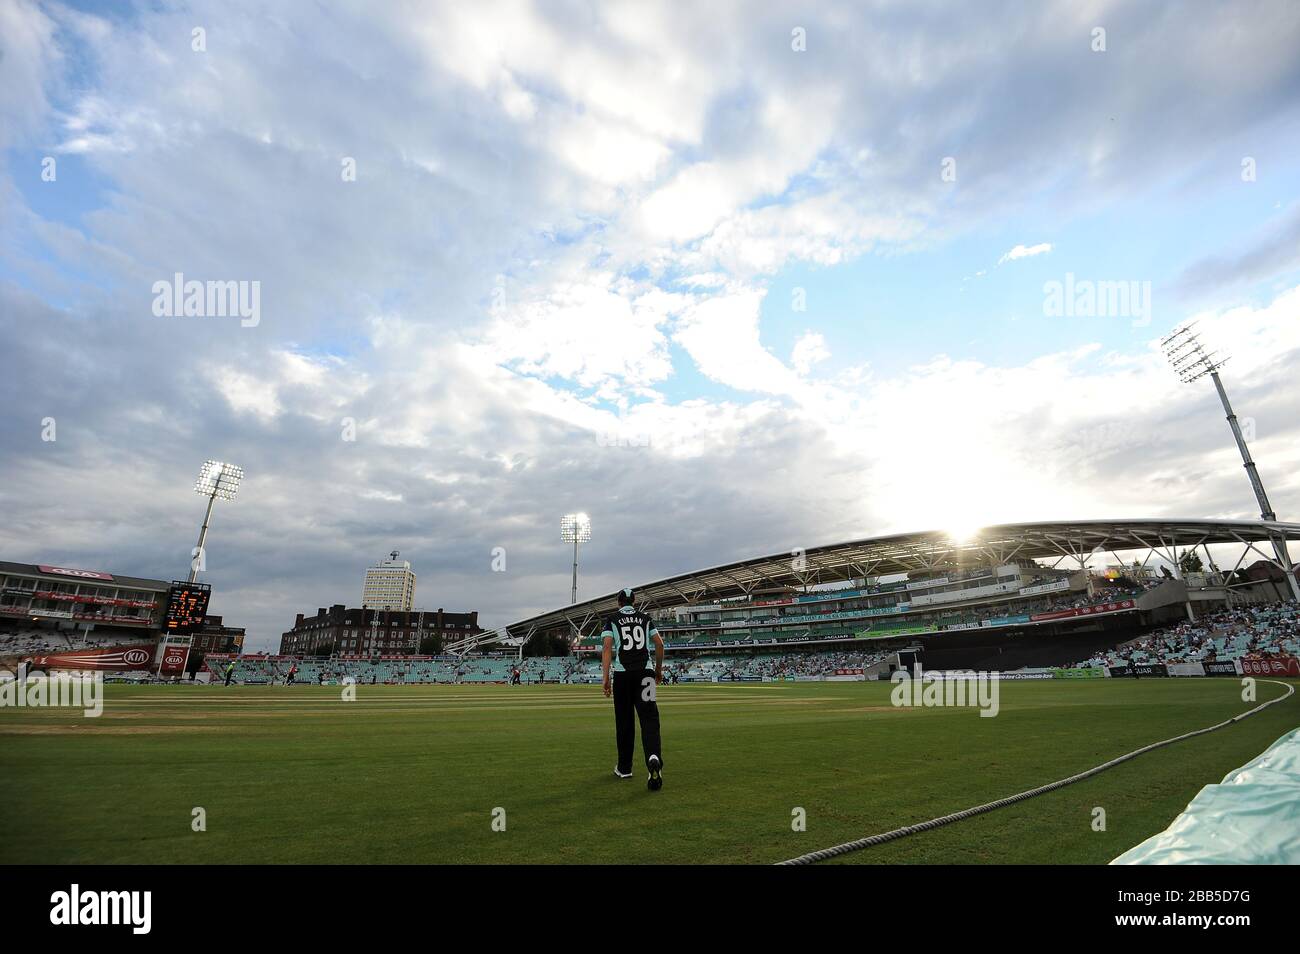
x,y
135,656
68,571
173,659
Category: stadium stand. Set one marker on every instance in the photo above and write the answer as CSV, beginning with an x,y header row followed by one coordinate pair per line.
x,y
399,670
253,670
1262,629
959,602
26,641
1227,634
30,641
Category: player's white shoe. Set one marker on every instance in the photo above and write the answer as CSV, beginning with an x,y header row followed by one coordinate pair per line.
x,y
618,774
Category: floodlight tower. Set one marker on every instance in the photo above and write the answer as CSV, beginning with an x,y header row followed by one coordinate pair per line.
x,y
1189,358
215,480
575,528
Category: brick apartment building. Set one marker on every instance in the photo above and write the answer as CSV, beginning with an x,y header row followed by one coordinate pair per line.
x,y
367,632
216,637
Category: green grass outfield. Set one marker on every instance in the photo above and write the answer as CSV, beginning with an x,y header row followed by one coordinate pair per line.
x,y
412,774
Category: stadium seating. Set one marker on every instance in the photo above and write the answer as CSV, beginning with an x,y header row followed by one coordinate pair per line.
x,y
253,670
936,619
1223,635
31,641
27,641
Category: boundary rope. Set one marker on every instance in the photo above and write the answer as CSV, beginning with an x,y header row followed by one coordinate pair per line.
x,y
873,840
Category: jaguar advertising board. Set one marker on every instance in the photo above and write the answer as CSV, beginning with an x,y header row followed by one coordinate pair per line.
x,y
1142,669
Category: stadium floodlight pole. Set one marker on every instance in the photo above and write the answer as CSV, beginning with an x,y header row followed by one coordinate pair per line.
x,y
575,528
216,480
1188,357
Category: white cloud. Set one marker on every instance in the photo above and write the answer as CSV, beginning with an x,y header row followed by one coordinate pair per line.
x,y
597,333
808,351
27,68
1025,251
608,152
721,335
245,393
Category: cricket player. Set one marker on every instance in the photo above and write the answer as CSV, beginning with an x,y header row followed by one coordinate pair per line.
x,y
627,638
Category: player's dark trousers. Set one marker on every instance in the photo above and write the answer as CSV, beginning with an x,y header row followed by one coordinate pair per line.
x,y
633,694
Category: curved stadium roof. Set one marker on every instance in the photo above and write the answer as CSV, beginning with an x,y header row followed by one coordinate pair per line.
x,y
1070,541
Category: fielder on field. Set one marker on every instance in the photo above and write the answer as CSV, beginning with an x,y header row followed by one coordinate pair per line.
x,y
627,637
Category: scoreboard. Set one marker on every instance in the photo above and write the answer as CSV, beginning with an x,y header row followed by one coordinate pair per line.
x,y
187,604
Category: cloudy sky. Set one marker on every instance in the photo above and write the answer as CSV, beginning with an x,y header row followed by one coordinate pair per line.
x,y
732,278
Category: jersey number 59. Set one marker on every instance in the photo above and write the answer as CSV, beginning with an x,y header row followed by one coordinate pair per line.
x,y
633,636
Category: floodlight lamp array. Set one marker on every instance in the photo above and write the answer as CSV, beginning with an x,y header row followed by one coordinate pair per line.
x,y
575,528
219,479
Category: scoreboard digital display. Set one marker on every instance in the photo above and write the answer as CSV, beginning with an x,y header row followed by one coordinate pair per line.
x,y
187,604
